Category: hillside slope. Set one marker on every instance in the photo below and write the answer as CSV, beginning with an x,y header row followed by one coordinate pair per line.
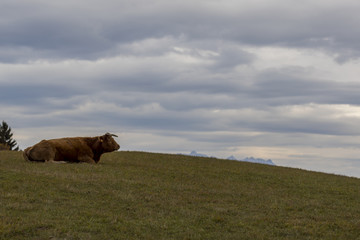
x,y
137,195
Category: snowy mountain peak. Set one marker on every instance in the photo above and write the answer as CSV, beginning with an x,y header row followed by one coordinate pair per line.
x,y
255,160
248,159
231,158
196,154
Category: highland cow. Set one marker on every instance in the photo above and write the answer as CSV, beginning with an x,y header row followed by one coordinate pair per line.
x,y
76,149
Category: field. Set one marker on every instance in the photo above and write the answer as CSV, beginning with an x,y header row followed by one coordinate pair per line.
x,y
137,195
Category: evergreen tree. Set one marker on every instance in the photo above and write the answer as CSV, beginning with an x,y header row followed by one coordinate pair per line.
x,y
6,137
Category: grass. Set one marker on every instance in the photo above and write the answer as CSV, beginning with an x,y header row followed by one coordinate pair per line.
x,y
137,195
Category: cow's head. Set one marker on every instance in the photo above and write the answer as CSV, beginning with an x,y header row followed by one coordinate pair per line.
x,y
108,143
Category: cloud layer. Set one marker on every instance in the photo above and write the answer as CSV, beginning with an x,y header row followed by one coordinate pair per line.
x,y
272,79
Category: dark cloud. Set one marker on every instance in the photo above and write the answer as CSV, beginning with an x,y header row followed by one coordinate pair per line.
x,y
32,94
93,30
230,57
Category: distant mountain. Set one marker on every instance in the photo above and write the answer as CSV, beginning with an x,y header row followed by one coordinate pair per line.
x,y
253,160
248,159
232,158
196,154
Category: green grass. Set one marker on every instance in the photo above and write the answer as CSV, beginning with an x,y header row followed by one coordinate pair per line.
x,y
136,195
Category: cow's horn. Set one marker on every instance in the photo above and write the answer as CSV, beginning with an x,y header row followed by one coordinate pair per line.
x,y
110,134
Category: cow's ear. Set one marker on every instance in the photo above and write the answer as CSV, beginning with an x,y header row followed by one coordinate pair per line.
x,y
101,139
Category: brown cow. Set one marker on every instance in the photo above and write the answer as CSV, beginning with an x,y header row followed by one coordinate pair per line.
x,y
76,149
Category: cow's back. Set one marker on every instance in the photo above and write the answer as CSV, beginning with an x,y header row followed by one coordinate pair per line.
x,y
69,149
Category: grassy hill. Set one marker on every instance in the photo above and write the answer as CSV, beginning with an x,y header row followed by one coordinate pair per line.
x,y
136,195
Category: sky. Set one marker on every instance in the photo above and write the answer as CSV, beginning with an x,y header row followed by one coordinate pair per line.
x,y
272,79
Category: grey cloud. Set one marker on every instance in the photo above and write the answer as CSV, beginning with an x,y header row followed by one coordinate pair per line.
x,y
32,94
93,30
295,86
231,57
174,85
54,39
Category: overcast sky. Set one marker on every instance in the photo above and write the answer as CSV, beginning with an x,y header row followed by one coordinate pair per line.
x,y
274,79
